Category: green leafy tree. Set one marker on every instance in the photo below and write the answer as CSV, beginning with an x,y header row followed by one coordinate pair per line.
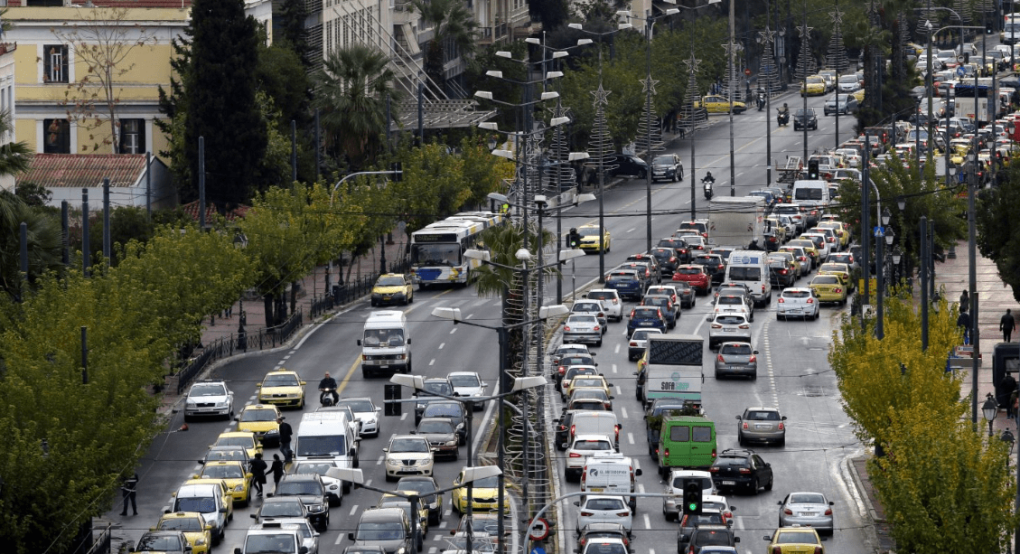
x,y
126,223
351,91
483,172
32,194
292,28
433,186
998,240
367,204
281,75
453,24
173,105
220,84
44,243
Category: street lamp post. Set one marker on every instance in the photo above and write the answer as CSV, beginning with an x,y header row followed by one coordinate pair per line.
x,y
883,235
990,409
972,261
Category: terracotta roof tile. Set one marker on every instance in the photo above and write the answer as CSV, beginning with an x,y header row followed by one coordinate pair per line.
x,y
84,170
122,3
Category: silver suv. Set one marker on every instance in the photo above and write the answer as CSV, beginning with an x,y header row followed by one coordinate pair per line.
x,y
209,398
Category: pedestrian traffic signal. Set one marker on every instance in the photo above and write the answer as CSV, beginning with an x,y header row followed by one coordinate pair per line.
x,y
692,498
574,238
812,169
392,392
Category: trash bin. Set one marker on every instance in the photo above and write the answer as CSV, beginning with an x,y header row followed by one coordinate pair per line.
x,y
337,291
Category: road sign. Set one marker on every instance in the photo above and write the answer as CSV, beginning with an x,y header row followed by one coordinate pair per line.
x,y
539,531
538,550
747,72
960,71
879,231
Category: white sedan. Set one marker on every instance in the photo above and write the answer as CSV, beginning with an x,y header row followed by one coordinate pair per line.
x,y
596,508
365,412
797,302
579,452
468,384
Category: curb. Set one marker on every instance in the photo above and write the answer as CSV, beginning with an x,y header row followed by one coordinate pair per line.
x,y
859,485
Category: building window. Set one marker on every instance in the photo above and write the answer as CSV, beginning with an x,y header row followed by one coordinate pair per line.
x,y
58,136
54,63
132,136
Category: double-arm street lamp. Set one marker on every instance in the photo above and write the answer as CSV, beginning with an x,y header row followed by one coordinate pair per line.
x,y
884,235
649,90
471,474
520,384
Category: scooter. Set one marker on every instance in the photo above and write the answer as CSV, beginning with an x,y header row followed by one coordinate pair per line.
x,y
761,101
708,189
327,397
783,118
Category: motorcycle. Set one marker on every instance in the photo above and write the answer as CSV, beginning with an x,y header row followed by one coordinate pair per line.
x,y
783,118
761,101
708,189
327,397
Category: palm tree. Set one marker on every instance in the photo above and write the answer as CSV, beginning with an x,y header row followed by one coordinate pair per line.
x,y
351,90
453,22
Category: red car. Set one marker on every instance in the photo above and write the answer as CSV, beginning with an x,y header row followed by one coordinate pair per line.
x,y
694,275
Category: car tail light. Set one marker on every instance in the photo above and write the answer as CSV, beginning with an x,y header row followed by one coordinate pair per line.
x,y
665,453
818,550
584,477
777,550
744,425
713,469
597,328
720,358
632,313
601,314
586,514
788,511
659,312
566,327
745,471
828,511
802,258
752,360
616,301
744,326
622,514
716,326
617,433
810,300
837,290
683,250
781,301
713,453
562,369
672,260
573,429
575,455
782,272
633,343
563,427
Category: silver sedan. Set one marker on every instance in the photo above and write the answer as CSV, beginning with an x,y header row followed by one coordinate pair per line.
x,y
807,509
736,359
760,424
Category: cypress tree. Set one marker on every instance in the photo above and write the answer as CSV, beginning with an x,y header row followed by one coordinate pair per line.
x,y
221,103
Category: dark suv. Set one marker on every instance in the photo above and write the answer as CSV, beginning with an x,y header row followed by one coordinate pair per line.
x,y
741,468
670,311
309,488
679,246
714,265
667,259
707,535
805,118
643,317
629,165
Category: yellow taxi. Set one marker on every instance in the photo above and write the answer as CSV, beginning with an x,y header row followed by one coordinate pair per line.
x,y
808,247
484,494
227,496
389,499
234,475
778,228
835,268
795,540
244,439
859,95
192,524
282,388
261,419
720,104
590,382
392,288
814,85
841,231
592,242
829,288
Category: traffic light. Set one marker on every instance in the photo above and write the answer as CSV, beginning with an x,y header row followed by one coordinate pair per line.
x,y
812,169
692,498
574,238
392,392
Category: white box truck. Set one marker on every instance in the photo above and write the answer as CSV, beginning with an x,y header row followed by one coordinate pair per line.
x,y
327,435
674,368
386,344
737,221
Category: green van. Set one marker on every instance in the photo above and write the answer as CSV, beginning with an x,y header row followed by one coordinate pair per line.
x,y
686,442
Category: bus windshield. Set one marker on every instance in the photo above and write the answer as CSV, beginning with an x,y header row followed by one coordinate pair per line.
x,y
435,254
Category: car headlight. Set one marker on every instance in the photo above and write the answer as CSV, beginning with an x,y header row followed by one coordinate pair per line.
x,y
239,488
424,462
200,542
452,442
401,550
273,432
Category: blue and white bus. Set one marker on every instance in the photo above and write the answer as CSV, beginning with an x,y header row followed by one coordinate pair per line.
x,y
437,250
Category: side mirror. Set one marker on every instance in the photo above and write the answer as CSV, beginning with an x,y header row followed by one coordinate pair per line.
x,y
385,449
237,551
784,418
755,351
253,516
359,342
413,432
195,476
831,503
739,418
611,397
485,384
767,538
619,426
709,318
223,510
736,539
409,341
303,383
577,504
350,537
684,538
638,472
303,550
780,503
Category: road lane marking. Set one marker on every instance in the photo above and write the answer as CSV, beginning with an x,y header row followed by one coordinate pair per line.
x,y
614,368
433,550
648,522
469,316
339,538
624,412
630,438
454,330
432,362
403,416
379,461
618,391
617,349
641,488
354,509
442,525
631,230
441,345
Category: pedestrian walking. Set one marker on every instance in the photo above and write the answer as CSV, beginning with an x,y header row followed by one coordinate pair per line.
x,y
286,432
277,471
258,473
964,300
964,321
1006,325
129,490
1009,388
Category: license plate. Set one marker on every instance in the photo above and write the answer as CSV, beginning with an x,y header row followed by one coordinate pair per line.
x,y
729,329
407,470
386,298
808,514
646,323
384,367
762,426
597,489
731,483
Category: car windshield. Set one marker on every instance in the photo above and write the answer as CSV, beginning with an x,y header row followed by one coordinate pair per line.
x,y
409,445
605,548
848,79
436,253
419,486
230,454
796,293
390,282
694,520
465,380
736,349
384,337
442,409
589,232
358,404
604,504
797,537
646,312
662,253
188,524
586,307
587,382
806,498
208,390
287,380
258,415
832,267
325,445
269,543
825,280
226,471
642,334
246,442
164,543
815,80
575,371
808,111
437,426
763,415
440,387
731,300
717,538
730,320
592,445
298,488
281,508
656,301
589,394
583,319
202,505
689,271
485,483
602,295
705,482
576,360
663,160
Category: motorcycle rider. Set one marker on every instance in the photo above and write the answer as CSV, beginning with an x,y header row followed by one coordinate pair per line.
x,y
784,114
761,98
329,384
707,182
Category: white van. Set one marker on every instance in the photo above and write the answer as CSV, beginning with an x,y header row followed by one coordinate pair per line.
x,y
595,423
610,473
328,435
811,193
206,499
751,267
386,344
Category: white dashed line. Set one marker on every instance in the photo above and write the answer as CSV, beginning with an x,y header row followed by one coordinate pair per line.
x,y
287,357
614,368
648,522
433,550
339,538
379,461
442,525
641,488
630,438
624,412
618,391
403,416
368,483
631,230
454,330
441,345
433,362
469,316
354,509
617,349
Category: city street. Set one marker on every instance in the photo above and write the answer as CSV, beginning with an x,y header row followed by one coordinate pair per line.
x,y
794,373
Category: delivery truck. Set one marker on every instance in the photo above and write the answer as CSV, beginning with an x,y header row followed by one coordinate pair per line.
x,y
737,221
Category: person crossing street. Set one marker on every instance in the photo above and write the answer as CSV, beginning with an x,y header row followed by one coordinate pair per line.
x,y
1006,325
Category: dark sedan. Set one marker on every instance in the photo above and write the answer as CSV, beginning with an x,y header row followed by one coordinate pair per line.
x,y
629,165
805,118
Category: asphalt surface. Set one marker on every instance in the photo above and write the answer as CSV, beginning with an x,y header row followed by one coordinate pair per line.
x,y
794,373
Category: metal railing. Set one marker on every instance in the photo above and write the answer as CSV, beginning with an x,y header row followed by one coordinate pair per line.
x,y
102,543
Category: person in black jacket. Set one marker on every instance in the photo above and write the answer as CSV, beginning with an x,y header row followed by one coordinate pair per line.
x,y
964,322
1006,325
258,473
277,471
128,490
286,432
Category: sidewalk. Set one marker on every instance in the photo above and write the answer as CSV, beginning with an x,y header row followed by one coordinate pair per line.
x,y
994,297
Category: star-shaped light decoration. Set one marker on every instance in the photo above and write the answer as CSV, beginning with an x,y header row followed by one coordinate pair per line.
x,y
649,84
805,31
692,63
837,17
767,35
601,96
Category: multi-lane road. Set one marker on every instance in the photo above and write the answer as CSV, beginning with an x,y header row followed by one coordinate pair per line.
x,y
794,372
